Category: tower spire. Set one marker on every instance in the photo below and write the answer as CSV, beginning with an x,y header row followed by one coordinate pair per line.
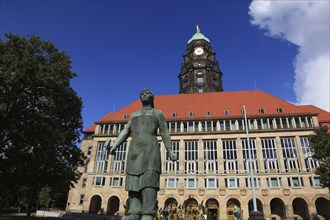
x,y
197,29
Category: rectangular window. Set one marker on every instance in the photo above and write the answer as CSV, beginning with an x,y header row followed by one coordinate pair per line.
x,y
210,151
269,154
174,126
190,125
257,182
295,182
87,166
268,148
171,183
84,183
172,167
118,163
232,125
101,158
291,165
200,80
89,151
229,149
274,182
307,150
271,165
99,181
81,200
116,181
191,157
211,183
191,183
230,166
311,164
315,181
232,182
290,154
245,151
230,156
289,149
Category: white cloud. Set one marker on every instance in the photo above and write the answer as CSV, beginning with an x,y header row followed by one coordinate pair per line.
x,y
305,24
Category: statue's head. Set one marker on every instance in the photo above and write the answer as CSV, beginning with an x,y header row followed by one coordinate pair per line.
x,y
146,95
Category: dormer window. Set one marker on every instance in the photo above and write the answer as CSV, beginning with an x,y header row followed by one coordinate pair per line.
x,y
174,114
226,112
261,111
126,116
191,114
208,113
279,110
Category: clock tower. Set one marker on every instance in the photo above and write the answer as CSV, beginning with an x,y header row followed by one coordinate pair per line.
x,y
200,71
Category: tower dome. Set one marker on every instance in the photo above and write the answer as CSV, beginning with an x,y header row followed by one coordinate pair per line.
x,y
198,36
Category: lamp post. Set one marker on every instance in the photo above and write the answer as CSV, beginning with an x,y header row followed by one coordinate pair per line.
x,y
255,214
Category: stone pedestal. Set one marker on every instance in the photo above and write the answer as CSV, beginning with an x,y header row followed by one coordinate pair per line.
x,y
256,215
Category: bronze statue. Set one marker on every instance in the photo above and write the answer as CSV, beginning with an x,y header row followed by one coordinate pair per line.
x,y
144,158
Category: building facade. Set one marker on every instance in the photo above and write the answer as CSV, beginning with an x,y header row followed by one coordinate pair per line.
x,y
208,134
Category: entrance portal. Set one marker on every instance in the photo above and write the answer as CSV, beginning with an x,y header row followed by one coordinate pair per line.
x,y
212,206
233,209
113,205
95,205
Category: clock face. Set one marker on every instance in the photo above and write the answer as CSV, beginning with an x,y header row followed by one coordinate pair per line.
x,y
199,51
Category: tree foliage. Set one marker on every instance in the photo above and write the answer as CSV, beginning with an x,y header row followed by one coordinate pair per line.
x,y
45,197
40,117
320,143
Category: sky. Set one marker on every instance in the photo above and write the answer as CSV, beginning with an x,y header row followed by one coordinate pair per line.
x,y
118,48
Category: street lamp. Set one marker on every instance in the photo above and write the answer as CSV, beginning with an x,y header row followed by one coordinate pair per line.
x,y
255,214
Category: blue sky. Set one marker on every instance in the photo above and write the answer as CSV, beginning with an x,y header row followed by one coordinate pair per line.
x,y
118,48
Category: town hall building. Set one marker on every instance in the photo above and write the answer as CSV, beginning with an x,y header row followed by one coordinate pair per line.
x,y
208,134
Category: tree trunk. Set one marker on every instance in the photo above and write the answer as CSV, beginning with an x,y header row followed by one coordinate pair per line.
x,y
31,205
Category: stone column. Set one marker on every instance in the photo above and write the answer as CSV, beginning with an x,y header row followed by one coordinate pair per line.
x,y
244,211
288,211
312,210
222,209
267,211
239,155
181,156
218,126
300,155
104,206
200,157
280,154
220,156
259,155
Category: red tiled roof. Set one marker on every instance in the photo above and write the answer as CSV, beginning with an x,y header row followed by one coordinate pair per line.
x,y
90,129
216,103
323,116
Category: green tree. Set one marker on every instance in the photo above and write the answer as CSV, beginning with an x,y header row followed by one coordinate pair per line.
x,y
40,119
320,143
45,197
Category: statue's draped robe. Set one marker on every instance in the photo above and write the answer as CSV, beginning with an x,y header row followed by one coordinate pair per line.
x,y
144,159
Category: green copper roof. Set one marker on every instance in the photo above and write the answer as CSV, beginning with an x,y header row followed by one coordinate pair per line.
x,y
198,36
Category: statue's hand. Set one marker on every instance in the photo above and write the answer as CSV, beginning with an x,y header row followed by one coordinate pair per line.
x,y
112,150
173,156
